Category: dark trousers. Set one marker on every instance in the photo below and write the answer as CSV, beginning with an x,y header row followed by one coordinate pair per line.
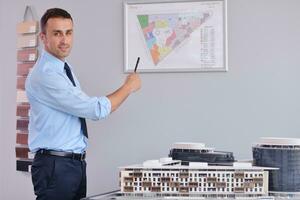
x,y
58,178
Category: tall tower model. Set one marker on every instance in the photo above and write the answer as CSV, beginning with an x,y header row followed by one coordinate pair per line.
x,y
282,153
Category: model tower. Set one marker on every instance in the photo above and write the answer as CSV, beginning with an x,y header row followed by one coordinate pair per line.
x,y
282,153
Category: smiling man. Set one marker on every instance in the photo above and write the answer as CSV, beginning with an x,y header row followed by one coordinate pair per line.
x,y
58,108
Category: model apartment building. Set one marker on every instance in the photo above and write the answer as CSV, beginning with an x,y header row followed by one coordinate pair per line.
x,y
219,177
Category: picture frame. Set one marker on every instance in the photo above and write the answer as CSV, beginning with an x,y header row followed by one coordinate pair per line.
x,y
175,36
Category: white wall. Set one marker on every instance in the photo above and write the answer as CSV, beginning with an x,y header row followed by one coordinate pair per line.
x,y
258,96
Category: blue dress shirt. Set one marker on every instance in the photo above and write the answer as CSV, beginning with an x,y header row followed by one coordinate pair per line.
x,y
56,105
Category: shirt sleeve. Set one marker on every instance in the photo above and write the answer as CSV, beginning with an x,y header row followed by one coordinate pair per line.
x,y
55,90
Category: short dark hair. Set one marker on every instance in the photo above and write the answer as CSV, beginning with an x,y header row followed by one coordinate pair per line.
x,y
53,13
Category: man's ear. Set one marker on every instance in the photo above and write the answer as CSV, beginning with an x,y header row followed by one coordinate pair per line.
x,y
42,36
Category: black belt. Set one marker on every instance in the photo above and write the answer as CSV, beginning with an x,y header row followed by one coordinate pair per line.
x,y
75,156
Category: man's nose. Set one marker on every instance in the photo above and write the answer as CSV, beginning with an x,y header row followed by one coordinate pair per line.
x,y
63,38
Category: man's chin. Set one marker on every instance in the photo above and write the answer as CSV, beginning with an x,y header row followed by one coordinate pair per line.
x,y
63,55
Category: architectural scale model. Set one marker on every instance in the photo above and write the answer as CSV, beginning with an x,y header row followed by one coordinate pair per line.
x,y
182,179
282,153
197,152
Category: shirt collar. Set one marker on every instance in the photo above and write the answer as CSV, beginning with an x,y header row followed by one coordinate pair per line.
x,y
59,64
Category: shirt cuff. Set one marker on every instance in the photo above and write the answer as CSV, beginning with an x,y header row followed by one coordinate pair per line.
x,y
105,106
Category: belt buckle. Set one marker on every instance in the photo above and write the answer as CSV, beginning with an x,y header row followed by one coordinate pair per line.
x,y
81,157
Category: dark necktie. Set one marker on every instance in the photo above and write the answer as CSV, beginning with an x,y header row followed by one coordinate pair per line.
x,y
82,120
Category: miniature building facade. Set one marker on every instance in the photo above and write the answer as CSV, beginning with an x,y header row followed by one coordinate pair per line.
x,y
177,178
282,153
194,181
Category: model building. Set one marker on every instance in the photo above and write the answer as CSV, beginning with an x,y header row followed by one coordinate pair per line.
x,y
282,153
191,177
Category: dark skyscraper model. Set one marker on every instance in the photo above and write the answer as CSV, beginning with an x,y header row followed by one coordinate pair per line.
x,y
282,153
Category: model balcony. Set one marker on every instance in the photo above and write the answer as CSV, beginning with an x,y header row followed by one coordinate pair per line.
x,y
193,184
137,174
128,189
221,184
146,184
156,189
128,179
211,179
184,189
165,179
239,175
239,190
184,175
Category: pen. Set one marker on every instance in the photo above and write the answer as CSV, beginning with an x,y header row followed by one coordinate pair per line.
x,y
137,63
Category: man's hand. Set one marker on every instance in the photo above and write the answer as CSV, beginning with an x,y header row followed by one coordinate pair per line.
x,y
133,82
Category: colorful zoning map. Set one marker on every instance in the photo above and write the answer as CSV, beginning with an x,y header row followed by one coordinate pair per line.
x,y
164,32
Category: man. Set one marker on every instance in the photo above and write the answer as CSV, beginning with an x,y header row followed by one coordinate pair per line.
x,y
57,129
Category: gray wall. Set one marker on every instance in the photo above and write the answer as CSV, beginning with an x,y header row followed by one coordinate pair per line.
x,y
258,96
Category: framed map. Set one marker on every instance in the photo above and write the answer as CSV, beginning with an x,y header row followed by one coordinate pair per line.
x,y
176,36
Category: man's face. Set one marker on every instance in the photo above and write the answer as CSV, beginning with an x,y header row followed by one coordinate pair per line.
x,y
58,37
